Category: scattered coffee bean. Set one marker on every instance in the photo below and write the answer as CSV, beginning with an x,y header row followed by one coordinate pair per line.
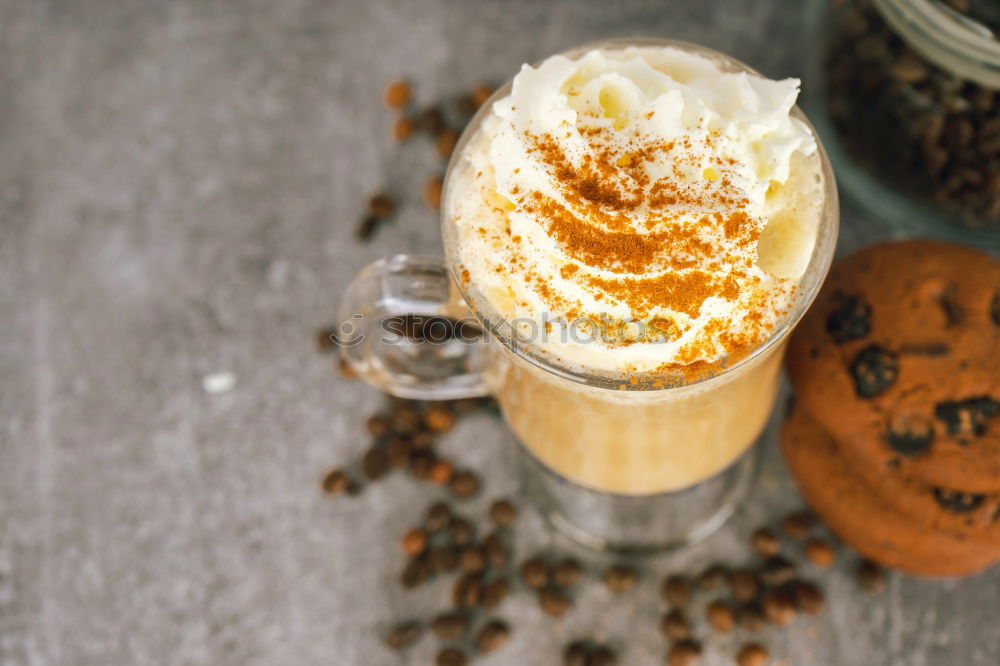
x,y
779,607
420,465
403,635
553,601
676,591
462,532
414,542
451,626
871,577
720,616
675,625
496,551
375,463
467,591
567,572
797,525
480,93
451,657
713,577
432,193
750,617
776,571
602,655
335,481
743,585
402,128
438,517
535,573
620,578
441,473
396,94
443,559
684,653
431,120
765,542
808,597
502,513
495,592
398,452
439,418
415,573
381,205
404,419
421,440
492,636
472,559
464,484
465,106
576,654
367,227
752,654
445,142
820,552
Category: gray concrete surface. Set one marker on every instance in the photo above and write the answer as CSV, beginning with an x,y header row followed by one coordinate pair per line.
x,y
179,183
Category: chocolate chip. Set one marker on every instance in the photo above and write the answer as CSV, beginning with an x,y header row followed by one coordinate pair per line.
x,y
752,654
850,320
797,524
779,607
874,370
957,501
808,597
553,601
871,577
495,592
620,578
502,513
675,625
995,309
910,434
967,417
535,573
720,616
450,626
464,484
765,541
567,572
684,652
676,591
776,571
820,552
403,635
713,577
451,657
492,636
743,585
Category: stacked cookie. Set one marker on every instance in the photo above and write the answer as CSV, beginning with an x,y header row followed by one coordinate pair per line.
x,y
895,436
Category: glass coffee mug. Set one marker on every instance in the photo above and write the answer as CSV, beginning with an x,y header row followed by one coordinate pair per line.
x,y
611,463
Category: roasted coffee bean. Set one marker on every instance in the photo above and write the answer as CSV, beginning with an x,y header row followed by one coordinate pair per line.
x,y
750,617
713,577
797,524
752,654
502,513
404,419
439,418
492,636
378,425
676,591
403,635
820,552
602,655
743,585
396,94
443,559
553,601
451,657
779,607
567,572
850,320
871,577
432,192
720,616
415,573
462,532
480,93
402,128
496,551
397,450
874,370
620,578
420,465
335,481
766,542
467,591
675,625
451,626
535,573
422,440
910,434
464,484
967,417
441,473
808,597
495,592
375,463
956,501
465,106
367,227
576,654
438,517
472,558
431,120
684,653
776,571
381,205
445,142
414,542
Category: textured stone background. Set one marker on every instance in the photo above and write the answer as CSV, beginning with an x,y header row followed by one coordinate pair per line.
x,y
179,183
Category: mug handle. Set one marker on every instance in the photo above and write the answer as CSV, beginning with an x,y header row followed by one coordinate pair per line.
x,y
403,330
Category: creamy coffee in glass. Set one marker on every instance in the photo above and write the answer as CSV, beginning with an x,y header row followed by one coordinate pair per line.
x,y
637,225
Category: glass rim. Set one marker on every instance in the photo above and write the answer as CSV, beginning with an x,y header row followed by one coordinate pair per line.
x,y
808,285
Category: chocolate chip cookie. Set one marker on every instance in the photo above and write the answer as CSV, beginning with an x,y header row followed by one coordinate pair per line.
x,y
899,359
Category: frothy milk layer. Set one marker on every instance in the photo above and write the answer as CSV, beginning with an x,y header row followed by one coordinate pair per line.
x,y
638,210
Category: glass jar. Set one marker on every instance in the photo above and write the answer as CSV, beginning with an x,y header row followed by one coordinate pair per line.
x,y
906,95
